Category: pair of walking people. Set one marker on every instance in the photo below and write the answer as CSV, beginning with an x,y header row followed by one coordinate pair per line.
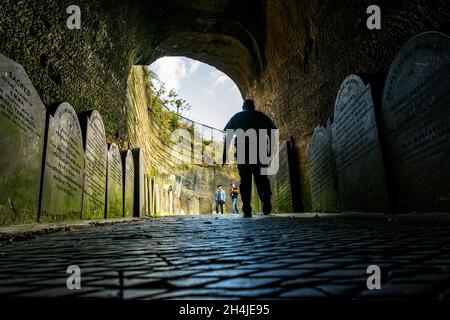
x,y
220,197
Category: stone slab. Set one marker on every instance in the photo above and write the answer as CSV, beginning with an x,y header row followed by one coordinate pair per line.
x,y
22,131
96,154
359,160
64,166
114,189
128,183
139,188
415,117
321,166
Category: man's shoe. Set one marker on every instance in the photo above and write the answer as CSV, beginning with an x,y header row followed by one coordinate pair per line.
x,y
247,210
267,208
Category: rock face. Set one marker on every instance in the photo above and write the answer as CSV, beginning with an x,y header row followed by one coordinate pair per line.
x,y
289,55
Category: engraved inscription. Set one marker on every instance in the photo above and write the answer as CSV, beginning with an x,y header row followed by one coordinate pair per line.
x,y
281,183
416,123
322,171
64,165
114,183
359,163
95,168
22,126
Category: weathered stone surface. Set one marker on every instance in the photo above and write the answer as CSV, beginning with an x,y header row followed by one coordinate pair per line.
x,y
128,183
206,205
416,124
147,193
280,183
96,154
114,189
22,126
322,171
139,188
359,161
64,166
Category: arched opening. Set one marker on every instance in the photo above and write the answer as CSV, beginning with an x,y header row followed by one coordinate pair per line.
x,y
196,90
179,108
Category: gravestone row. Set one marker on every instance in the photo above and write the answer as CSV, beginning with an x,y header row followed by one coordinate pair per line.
x,y
392,156
55,164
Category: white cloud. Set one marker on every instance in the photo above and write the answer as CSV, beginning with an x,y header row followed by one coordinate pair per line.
x,y
219,79
173,70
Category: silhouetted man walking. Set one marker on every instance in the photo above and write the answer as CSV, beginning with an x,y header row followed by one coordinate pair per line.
x,y
246,121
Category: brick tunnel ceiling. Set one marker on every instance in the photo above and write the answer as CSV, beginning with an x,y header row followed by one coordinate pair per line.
x,y
227,34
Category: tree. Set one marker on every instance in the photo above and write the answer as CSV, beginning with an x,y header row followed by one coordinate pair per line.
x,y
161,97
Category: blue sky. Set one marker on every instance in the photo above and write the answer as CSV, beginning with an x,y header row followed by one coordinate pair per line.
x,y
213,96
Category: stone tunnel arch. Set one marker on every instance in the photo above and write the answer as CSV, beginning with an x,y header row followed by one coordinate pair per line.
x,y
225,34
290,56
223,52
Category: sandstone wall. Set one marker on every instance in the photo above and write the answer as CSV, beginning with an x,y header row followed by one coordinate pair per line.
x,y
175,187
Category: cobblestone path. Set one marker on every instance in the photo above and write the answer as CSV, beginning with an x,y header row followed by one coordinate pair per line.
x,y
223,257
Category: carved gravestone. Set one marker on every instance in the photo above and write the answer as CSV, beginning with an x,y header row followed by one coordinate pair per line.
x,y
128,183
139,192
359,162
322,171
64,166
22,126
415,117
147,193
96,153
114,183
280,182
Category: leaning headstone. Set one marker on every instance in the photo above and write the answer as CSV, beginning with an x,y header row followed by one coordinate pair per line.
x,y
128,183
146,193
359,162
415,117
282,197
22,130
64,166
96,153
322,171
114,183
139,192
